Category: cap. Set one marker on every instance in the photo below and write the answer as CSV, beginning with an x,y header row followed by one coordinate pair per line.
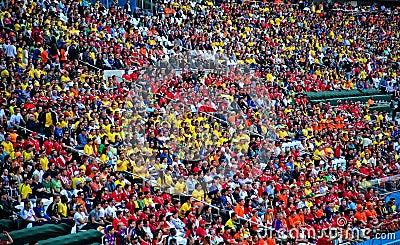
x,y
94,169
87,180
78,182
202,222
253,196
17,154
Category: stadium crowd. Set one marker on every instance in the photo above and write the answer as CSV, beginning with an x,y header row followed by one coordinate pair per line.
x,y
207,138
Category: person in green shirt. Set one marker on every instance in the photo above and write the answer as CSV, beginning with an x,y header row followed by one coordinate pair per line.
x,y
48,184
57,184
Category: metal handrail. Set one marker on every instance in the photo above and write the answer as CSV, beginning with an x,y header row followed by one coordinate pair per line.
x,y
87,64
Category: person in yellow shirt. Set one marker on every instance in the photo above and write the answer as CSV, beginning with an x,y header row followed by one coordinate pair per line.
x,y
49,121
180,187
198,192
44,161
25,188
122,163
185,207
148,201
78,179
62,207
8,145
88,148
165,179
120,181
28,153
141,170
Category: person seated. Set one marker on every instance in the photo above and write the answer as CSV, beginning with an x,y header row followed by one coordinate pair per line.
x,y
52,210
40,211
80,217
29,216
94,216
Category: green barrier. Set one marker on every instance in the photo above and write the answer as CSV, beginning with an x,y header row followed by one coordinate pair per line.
x,y
385,97
371,91
6,224
11,225
37,233
333,94
80,238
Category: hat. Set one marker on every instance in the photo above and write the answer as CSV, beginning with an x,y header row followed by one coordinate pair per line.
x,y
253,196
202,222
94,169
78,182
17,154
87,180
63,152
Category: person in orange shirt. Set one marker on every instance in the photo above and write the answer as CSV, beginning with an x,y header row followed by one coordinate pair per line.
x,y
294,219
254,220
271,240
300,215
360,214
320,212
370,212
291,219
239,209
80,200
284,195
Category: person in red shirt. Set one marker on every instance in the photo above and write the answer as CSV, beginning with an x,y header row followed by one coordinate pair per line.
x,y
131,205
201,231
153,224
119,219
117,194
158,198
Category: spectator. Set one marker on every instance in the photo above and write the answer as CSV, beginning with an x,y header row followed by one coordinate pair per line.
x,y
80,217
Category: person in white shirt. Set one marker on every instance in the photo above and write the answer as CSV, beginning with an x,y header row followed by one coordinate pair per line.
x,y
111,210
80,217
16,119
10,49
29,215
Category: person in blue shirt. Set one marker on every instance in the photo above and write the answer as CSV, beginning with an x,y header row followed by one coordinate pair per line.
x,y
40,212
277,223
82,139
109,238
122,234
270,188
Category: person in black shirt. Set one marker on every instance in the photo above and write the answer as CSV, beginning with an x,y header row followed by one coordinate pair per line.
x,y
87,189
37,188
139,230
52,210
